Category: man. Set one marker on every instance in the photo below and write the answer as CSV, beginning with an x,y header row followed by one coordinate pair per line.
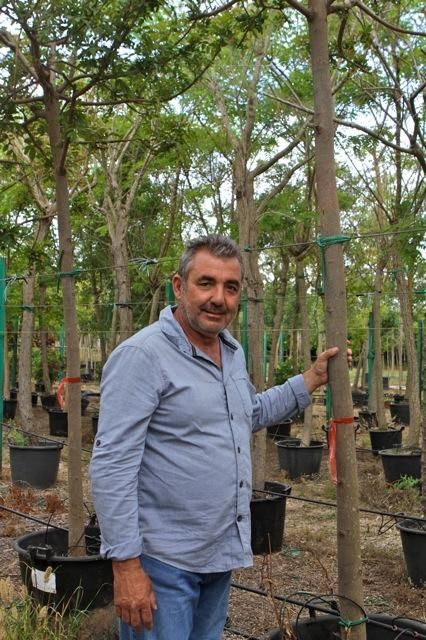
x,y
171,469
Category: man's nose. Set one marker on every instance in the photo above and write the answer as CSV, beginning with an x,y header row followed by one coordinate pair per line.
x,y
218,295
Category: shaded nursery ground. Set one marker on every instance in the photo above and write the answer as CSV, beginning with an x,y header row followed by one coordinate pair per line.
x,y
307,561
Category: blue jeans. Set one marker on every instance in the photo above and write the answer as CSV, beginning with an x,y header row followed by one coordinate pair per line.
x,y
191,606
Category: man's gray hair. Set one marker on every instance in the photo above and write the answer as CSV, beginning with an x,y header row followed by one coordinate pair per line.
x,y
217,244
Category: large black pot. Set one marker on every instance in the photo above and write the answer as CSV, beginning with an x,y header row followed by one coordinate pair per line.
x,y
326,627
299,460
280,430
35,465
413,538
398,463
359,398
400,412
385,439
267,514
81,582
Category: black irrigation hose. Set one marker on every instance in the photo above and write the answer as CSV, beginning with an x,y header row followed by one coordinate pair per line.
x,y
28,517
326,503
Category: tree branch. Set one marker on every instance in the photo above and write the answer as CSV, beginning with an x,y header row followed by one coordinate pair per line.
x,y
262,167
295,4
385,23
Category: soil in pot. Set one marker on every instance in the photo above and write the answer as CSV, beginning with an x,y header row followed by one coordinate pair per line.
x,y
413,539
385,439
53,578
298,460
398,463
35,465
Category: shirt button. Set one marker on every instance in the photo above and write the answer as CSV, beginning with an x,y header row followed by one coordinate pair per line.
x,y
239,518
241,483
98,443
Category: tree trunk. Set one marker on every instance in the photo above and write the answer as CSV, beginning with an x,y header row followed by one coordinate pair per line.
x,y
278,316
44,348
377,337
306,343
75,488
24,408
254,287
155,303
120,256
359,367
413,388
348,531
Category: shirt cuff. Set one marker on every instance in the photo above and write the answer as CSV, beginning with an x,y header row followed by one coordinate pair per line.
x,y
298,386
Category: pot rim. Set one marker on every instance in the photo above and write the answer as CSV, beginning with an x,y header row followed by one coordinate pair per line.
x,y
16,544
38,447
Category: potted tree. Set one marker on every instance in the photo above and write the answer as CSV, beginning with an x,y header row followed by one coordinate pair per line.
x,y
33,460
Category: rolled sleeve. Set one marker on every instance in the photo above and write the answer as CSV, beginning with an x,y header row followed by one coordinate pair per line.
x,y
280,402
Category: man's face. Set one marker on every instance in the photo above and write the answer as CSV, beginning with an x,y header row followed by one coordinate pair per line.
x,y
209,298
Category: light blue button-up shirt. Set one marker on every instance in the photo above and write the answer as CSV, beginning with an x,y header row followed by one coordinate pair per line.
x,y
171,467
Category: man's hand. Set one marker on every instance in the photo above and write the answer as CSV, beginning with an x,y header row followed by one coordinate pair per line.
x,y
317,375
134,597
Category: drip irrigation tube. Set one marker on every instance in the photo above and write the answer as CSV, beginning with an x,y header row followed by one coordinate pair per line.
x,y
28,517
326,503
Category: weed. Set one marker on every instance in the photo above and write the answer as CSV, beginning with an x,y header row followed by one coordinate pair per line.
x,y
407,482
21,617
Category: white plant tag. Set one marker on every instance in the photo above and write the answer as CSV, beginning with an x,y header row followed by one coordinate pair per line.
x,y
44,580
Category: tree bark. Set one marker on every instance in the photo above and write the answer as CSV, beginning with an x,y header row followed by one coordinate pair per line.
x,y
278,316
44,348
377,386
24,407
413,388
306,343
348,531
75,485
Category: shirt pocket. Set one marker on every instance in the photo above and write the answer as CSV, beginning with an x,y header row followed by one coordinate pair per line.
x,y
244,386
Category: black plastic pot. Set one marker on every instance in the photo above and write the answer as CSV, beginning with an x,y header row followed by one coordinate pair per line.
x,y
385,439
326,627
9,409
398,463
413,538
36,465
95,420
13,395
400,412
359,398
58,423
82,582
34,398
267,519
298,460
39,386
49,401
385,383
280,430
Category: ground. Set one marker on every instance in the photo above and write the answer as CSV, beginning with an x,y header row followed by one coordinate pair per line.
x,y
307,561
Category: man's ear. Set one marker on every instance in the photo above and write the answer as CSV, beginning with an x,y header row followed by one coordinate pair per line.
x,y
177,284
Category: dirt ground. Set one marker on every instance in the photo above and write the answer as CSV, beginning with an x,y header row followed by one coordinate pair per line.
x,y
306,567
